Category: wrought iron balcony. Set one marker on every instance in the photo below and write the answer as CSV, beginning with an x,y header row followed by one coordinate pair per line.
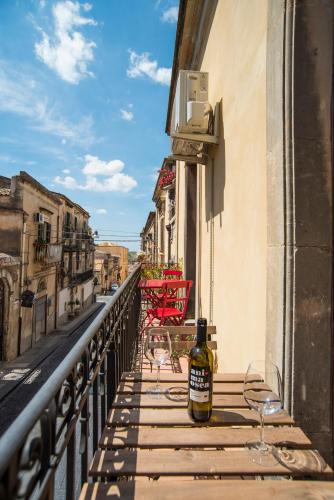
x,y
47,253
81,277
74,399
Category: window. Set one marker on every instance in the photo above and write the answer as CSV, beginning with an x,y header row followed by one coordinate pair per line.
x,y
44,232
67,219
47,232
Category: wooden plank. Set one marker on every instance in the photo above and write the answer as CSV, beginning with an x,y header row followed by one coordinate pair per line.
x,y
200,437
181,377
178,387
164,462
214,490
179,345
179,417
188,330
172,400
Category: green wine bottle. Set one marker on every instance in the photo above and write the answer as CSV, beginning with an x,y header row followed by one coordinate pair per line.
x,y
200,377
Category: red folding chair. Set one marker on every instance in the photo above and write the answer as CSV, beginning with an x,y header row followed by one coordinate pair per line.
x,y
175,297
172,274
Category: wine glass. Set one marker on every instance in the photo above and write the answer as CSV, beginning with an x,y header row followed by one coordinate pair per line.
x,y
263,393
158,349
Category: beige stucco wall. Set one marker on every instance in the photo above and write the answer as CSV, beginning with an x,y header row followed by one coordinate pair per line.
x,y
233,247
235,58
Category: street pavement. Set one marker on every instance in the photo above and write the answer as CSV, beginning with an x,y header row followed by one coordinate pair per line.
x,y
22,378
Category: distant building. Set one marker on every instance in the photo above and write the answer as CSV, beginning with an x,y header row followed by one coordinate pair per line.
x,y
164,199
106,271
76,272
148,240
29,233
121,252
46,262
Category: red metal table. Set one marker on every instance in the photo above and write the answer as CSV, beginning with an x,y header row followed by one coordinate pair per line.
x,y
151,288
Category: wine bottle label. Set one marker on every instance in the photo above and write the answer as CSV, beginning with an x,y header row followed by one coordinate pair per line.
x,y
199,384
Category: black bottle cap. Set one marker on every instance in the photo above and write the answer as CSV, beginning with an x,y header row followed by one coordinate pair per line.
x,y
201,330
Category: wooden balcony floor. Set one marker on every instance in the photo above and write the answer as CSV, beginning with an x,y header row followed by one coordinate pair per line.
x,y
150,449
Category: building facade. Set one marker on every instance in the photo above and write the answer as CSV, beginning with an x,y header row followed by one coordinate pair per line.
x,y
148,240
254,214
29,227
121,252
77,265
46,272
164,200
106,271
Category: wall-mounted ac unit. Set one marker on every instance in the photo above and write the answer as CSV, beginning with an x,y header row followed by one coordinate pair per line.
x,y
193,122
191,107
38,217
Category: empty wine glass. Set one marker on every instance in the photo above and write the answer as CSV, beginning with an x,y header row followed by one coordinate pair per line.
x,y
158,349
263,393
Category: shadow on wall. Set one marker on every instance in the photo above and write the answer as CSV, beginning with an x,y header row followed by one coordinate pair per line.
x,y
215,177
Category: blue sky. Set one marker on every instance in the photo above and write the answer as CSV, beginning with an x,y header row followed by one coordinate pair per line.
x,y
83,99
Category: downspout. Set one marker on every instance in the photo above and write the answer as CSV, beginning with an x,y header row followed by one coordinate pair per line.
x,y
56,280
212,226
21,283
199,242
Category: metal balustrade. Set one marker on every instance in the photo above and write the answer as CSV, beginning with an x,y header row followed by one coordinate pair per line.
x,y
74,400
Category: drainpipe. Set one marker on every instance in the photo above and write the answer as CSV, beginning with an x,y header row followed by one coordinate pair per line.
x,y
199,242
211,235
56,280
22,277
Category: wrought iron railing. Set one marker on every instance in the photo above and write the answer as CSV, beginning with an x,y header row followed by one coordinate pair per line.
x,y
72,402
84,276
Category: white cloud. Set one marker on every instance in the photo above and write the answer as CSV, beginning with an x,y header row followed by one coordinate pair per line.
x,y
170,15
101,211
68,52
117,183
127,115
95,166
66,171
31,102
141,65
114,181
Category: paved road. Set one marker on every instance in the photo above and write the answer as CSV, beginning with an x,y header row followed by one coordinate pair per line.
x,y
22,378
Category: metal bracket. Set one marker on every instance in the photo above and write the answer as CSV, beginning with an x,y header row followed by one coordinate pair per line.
x,y
204,138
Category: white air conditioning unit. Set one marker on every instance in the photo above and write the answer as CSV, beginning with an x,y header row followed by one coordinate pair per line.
x,y
38,217
191,107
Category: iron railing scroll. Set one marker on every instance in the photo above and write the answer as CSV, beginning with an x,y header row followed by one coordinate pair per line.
x,y
72,405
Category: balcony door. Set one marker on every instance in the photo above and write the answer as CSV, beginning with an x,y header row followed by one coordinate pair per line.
x,y
190,263
40,317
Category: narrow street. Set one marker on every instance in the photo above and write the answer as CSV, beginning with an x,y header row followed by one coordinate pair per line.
x,y
22,378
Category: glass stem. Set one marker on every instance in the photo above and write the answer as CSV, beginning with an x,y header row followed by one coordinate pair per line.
x,y
158,376
263,445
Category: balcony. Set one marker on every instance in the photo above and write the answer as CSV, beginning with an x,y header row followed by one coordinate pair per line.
x,y
47,253
72,404
82,277
94,410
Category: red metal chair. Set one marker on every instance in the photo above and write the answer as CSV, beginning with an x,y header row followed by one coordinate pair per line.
x,y
168,273
175,297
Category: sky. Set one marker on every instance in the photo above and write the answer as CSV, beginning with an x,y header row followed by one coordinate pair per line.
x,y
83,101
